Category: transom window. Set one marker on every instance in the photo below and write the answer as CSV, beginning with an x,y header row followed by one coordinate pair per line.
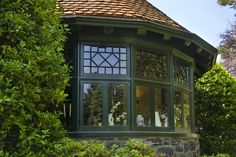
x,y
181,72
151,65
104,60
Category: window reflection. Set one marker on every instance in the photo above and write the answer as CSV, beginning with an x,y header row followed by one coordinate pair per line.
x,y
92,104
117,105
143,111
161,108
182,110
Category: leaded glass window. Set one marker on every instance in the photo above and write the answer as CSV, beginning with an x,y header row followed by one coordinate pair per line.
x,y
151,65
104,60
181,72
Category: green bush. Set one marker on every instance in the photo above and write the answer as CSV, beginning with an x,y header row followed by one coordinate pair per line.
x,y
33,77
135,149
98,149
216,111
217,155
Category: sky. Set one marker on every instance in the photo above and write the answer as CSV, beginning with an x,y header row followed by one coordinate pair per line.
x,y
205,18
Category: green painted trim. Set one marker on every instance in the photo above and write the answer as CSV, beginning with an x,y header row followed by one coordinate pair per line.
x,y
137,23
171,110
182,55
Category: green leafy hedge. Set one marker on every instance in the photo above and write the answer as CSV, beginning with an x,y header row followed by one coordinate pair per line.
x,y
33,77
69,148
216,111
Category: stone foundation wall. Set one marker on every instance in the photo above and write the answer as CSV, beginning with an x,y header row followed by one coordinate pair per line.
x,y
170,146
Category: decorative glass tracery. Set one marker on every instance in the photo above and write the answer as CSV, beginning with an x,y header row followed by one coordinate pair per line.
x,y
181,72
104,60
151,65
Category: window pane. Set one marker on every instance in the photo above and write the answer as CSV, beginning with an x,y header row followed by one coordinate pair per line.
x,y
106,57
178,110
182,110
181,72
161,108
143,111
92,104
117,105
186,109
151,65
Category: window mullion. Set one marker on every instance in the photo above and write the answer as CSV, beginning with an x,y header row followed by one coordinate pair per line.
x,y
105,105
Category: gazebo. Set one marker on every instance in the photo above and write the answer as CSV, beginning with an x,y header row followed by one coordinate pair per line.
x,y
133,74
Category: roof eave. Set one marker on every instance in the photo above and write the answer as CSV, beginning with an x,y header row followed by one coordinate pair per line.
x,y
140,23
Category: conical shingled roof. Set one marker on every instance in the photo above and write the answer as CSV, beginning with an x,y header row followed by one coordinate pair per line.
x,y
127,9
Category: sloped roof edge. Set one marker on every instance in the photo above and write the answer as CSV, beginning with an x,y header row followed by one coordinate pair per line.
x,y
139,23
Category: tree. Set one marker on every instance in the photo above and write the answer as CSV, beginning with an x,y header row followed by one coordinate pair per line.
x,y
33,75
227,49
227,2
216,111
227,46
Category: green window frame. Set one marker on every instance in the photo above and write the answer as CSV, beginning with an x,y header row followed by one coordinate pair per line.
x,y
156,120
131,80
182,110
104,60
105,107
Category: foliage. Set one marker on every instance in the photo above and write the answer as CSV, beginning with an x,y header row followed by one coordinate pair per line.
x,y
227,49
217,155
135,149
33,76
132,148
227,2
216,111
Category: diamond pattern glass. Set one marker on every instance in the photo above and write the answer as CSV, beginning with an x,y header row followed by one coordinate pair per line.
x,y
104,60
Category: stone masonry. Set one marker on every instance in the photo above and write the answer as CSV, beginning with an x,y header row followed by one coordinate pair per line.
x,y
165,146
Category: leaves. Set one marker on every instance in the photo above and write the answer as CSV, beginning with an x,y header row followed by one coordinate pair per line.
x,y
216,111
33,76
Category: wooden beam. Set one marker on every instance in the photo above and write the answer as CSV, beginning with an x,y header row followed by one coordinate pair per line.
x,y
108,30
167,36
141,31
187,43
199,50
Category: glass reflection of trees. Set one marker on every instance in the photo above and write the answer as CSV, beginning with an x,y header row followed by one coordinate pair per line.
x,y
117,104
93,104
182,110
161,108
151,65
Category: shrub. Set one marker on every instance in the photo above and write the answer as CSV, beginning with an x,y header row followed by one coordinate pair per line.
x,y
33,76
134,148
216,111
98,149
217,155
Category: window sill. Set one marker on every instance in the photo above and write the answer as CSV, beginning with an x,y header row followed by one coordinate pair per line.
x,y
131,134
